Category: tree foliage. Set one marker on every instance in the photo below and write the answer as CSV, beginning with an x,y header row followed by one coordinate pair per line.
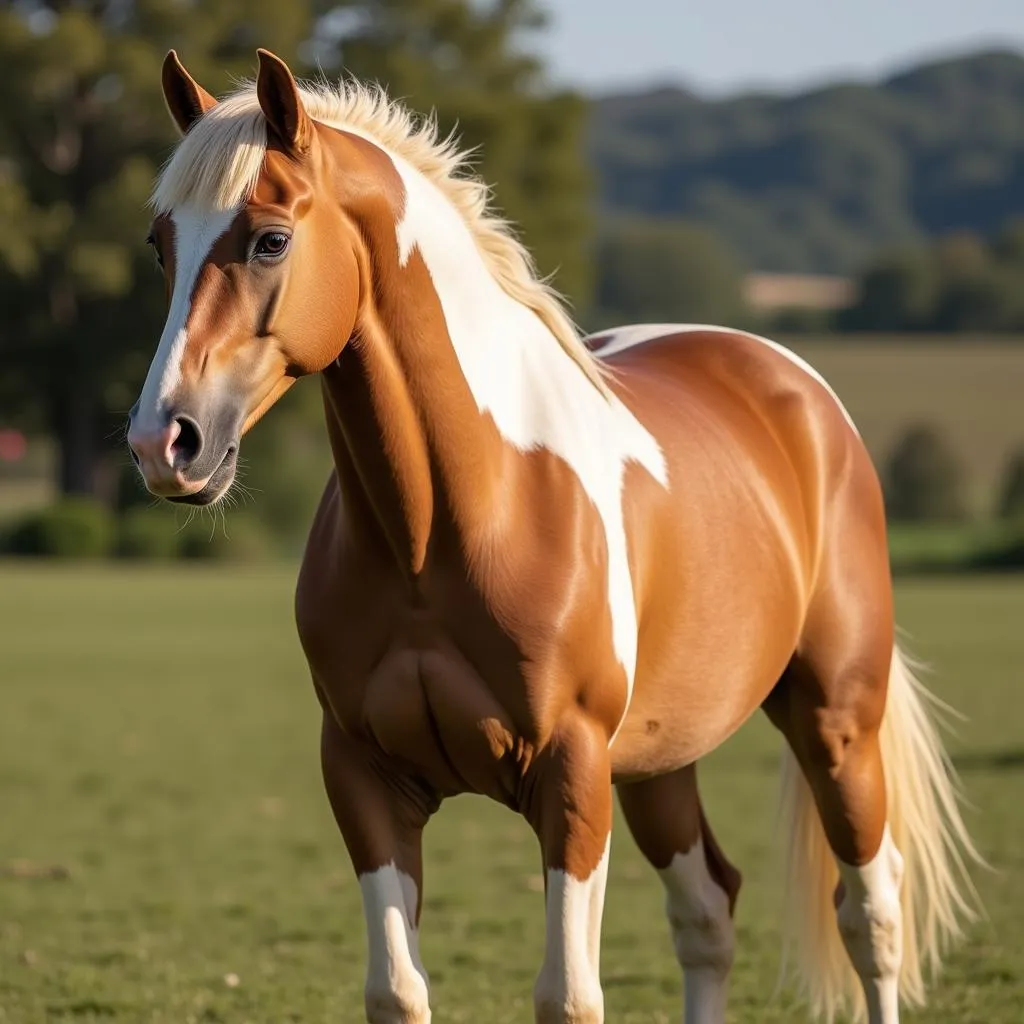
x,y
1010,504
81,145
923,480
820,181
466,62
959,283
664,271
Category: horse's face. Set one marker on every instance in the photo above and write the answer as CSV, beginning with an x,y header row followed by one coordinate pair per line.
x,y
258,295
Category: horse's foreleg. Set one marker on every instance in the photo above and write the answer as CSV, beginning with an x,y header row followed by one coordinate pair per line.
x,y
570,808
665,817
381,821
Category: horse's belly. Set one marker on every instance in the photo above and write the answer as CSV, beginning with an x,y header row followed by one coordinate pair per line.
x,y
661,735
683,707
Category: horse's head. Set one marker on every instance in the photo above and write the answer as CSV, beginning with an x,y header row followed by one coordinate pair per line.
x,y
264,269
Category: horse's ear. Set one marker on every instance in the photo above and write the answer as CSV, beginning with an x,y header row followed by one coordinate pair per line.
x,y
281,103
186,99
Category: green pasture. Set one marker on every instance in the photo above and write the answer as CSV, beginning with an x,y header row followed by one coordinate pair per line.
x,y
167,855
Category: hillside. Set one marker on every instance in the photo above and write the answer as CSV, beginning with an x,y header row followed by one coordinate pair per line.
x,y
820,181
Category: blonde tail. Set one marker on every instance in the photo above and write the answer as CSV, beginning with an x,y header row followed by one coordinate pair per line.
x,y
937,895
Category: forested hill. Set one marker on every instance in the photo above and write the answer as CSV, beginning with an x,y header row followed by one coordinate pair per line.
x,y
822,180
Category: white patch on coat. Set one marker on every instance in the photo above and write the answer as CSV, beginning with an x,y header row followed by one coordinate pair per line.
x,y
702,932
536,394
570,977
195,232
870,921
622,338
396,982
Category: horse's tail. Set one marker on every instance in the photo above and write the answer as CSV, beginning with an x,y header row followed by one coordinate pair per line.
x,y
937,896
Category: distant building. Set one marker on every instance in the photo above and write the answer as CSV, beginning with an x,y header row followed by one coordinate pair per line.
x,y
767,292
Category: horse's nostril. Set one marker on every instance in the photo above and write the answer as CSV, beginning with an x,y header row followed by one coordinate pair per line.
x,y
188,443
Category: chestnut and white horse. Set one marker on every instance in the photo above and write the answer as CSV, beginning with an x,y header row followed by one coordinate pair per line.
x,y
546,566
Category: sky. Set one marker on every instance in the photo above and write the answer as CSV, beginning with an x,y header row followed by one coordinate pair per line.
x,y
719,47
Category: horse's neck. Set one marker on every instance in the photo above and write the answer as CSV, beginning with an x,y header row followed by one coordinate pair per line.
x,y
410,440
452,372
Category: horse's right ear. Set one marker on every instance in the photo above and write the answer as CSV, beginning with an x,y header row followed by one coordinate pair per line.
x,y
186,99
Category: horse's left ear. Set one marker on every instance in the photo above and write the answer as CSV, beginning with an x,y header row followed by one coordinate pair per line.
x,y
186,99
281,103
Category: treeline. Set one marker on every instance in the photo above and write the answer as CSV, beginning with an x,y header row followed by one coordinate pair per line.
x,y
679,271
288,462
820,181
83,131
958,283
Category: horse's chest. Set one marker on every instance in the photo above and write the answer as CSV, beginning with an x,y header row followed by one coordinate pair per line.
x,y
398,678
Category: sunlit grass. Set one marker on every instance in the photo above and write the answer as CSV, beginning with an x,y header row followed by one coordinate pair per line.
x,y
163,827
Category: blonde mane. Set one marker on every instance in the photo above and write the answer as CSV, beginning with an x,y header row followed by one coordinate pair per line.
x,y
218,162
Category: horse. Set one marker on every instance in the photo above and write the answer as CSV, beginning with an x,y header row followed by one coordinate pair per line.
x,y
547,568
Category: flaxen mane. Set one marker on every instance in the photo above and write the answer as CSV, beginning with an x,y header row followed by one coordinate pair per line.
x,y
218,162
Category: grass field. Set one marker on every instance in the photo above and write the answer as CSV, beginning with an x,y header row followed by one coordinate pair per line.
x,y
167,855
967,388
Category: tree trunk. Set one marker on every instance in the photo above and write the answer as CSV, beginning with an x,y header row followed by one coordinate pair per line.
x,y
76,414
77,427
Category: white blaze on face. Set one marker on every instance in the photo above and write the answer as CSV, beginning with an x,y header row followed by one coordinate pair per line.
x,y
195,232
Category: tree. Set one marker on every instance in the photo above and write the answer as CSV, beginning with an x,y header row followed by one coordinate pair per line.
x,y
959,283
468,63
669,272
1011,493
923,480
897,293
81,146
817,182
78,153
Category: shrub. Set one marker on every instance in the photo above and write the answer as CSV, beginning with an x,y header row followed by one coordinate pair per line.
x,y
1011,492
239,538
923,480
129,490
148,533
1006,555
70,528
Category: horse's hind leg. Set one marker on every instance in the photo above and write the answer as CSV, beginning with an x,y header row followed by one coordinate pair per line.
x,y
668,824
831,719
829,704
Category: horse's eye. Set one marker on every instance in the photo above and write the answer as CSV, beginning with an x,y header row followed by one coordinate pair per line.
x,y
271,245
151,242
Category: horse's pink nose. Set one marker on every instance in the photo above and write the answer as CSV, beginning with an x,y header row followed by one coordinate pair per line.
x,y
155,447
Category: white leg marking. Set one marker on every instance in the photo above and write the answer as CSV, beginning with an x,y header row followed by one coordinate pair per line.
x,y
568,988
397,987
703,934
871,924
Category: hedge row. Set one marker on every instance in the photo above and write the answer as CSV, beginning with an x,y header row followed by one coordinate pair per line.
x,y
83,528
